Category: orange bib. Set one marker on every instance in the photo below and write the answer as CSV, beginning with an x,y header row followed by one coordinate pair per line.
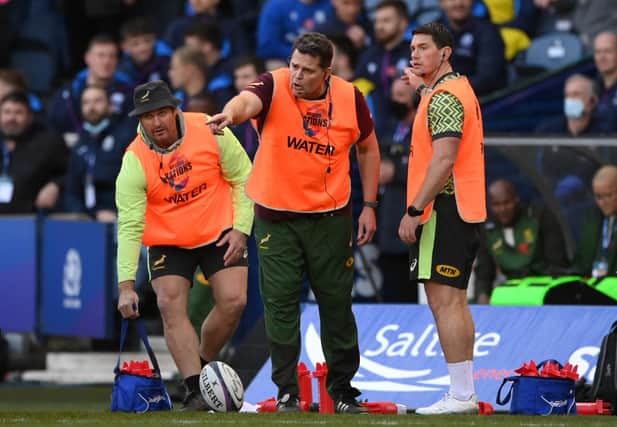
x,y
468,170
189,202
302,164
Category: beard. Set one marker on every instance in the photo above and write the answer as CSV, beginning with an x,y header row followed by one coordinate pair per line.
x,y
386,37
14,132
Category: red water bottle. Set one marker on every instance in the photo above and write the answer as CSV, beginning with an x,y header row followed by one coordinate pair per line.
x,y
385,408
599,407
326,405
268,405
306,387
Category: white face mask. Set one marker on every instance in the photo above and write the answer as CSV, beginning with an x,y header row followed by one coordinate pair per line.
x,y
573,108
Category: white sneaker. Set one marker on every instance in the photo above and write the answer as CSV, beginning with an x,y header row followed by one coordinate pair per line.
x,y
449,405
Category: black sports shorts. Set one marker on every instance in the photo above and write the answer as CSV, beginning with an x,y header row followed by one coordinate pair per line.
x,y
446,246
172,260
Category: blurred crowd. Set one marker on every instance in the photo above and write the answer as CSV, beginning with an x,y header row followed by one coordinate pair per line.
x,y
68,69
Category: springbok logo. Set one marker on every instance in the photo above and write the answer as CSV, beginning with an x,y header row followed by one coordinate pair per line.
x,y
264,240
144,97
159,264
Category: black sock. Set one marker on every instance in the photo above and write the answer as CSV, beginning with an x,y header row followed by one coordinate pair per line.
x,y
204,362
192,383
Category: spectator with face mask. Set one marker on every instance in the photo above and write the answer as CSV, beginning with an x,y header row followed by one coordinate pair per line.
x,y
96,159
580,113
102,69
33,159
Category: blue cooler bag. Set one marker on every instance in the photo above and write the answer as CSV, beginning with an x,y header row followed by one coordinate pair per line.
x,y
137,393
539,395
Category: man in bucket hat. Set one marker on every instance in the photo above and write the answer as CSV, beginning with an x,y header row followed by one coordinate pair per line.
x,y
180,191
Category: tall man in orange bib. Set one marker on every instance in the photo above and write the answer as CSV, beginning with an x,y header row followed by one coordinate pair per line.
x,y
307,121
446,204
181,191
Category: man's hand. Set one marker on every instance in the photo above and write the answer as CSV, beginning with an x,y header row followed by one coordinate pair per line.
x,y
407,228
386,171
105,215
412,78
357,36
218,122
366,226
237,246
128,301
48,196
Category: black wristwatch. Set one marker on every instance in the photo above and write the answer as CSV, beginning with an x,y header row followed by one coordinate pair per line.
x,y
370,204
412,211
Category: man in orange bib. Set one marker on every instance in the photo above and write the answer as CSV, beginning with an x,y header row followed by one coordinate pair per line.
x,y
180,191
446,204
307,121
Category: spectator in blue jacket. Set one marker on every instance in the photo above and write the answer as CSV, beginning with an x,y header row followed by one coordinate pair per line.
x,y
32,159
394,146
204,12
236,30
246,70
281,22
566,169
187,75
102,62
384,61
605,58
347,17
96,158
478,47
144,57
208,39
12,80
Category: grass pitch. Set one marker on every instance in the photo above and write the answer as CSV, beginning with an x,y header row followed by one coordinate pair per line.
x,y
89,406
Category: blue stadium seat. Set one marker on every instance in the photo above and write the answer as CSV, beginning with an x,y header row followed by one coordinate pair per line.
x,y
38,67
552,51
47,27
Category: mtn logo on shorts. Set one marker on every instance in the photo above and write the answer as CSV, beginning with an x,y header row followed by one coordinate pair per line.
x,y
447,270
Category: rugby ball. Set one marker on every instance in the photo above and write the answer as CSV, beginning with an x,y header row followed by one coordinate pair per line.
x,y
221,387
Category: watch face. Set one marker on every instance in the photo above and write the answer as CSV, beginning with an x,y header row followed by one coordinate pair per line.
x,y
412,211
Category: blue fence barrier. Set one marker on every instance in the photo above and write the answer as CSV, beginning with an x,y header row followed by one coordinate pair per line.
x,y
18,274
401,360
57,278
76,279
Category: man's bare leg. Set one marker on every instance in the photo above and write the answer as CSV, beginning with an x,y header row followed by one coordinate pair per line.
x,y
229,287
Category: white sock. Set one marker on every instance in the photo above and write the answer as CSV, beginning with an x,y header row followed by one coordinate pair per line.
x,y
461,380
